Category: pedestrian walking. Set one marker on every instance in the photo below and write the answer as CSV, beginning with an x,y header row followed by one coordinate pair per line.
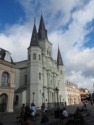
x,y
33,111
64,115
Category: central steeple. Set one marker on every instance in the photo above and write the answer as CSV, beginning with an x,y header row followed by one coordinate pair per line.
x,y
42,32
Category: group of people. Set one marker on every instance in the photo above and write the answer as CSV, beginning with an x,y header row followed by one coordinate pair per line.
x,y
77,115
27,112
30,113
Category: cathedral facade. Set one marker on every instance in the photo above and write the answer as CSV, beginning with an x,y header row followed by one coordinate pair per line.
x,y
40,79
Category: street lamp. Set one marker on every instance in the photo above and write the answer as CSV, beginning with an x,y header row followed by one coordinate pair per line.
x,y
43,97
33,96
56,89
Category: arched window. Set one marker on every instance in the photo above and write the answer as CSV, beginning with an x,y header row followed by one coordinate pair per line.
x,y
34,56
5,79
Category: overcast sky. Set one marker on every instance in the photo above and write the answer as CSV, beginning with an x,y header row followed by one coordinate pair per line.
x,y
70,23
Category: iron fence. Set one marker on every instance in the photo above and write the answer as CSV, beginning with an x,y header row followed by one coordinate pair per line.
x,y
55,105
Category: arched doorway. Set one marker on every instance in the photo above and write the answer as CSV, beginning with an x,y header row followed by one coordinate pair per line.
x,y
3,102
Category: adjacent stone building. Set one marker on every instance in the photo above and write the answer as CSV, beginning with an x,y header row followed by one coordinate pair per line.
x,y
40,79
72,94
7,81
84,94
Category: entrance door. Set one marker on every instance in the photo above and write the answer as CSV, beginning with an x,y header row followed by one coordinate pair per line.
x,y
3,102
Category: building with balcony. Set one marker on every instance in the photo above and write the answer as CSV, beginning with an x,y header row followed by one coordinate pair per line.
x,y
72,94
7,81
84,94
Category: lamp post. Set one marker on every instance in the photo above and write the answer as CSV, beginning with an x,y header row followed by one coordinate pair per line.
x,y
56,89
33,96
43,97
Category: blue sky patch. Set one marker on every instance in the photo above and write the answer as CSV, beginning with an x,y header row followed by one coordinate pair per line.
x,y
11,12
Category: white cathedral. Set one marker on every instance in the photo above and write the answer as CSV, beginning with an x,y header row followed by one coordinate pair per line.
x,y
40,79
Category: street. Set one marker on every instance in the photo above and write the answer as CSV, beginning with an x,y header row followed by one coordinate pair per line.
x,y
10,118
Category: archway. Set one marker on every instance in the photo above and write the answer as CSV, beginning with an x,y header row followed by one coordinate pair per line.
x,y
3,102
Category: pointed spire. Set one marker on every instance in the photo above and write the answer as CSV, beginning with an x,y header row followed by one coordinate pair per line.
x,y
59,58
42,32
34,38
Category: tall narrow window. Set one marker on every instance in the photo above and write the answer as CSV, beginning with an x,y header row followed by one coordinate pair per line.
x,y
40,76
39,57
34,56
29,57
47,52
5,79
25,77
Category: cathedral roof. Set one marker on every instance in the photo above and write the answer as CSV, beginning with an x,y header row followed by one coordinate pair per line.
x,y
42,32
59,58
34,38
2,53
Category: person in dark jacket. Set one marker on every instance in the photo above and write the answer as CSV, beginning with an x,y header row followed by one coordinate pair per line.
x,y
44,118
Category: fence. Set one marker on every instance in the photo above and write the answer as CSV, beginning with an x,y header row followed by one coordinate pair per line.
x,y
55,105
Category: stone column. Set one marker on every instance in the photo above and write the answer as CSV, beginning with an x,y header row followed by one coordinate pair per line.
x,y
10,102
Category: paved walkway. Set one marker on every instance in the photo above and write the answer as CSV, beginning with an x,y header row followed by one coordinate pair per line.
x,y
89,120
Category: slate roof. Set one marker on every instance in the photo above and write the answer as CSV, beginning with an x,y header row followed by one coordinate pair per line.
x,y
42,32
59,58
34,38
3,53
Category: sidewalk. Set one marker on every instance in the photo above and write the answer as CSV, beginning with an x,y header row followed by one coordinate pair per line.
x,y
90,119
